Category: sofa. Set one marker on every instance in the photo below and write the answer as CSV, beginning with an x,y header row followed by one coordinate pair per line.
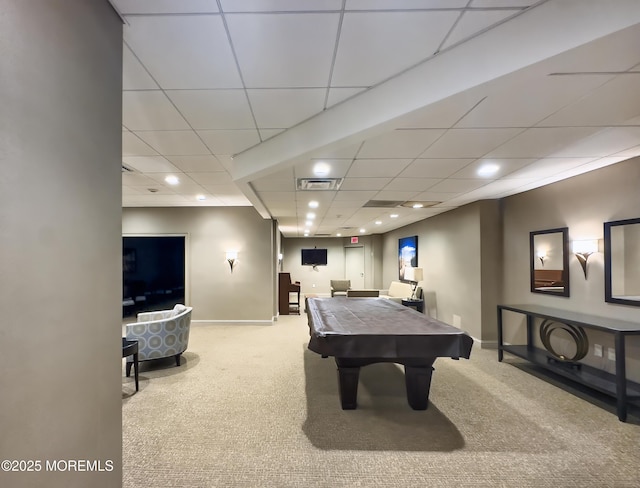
x,y
397,291
160,334
339,288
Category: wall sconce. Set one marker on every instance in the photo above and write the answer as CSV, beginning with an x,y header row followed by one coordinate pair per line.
x,y
584,249
542,255
232,258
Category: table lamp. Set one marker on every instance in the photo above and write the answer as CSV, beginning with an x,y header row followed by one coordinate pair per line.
x,y
413,275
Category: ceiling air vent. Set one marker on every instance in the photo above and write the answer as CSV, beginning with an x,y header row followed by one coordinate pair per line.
x,y
319,183
384,203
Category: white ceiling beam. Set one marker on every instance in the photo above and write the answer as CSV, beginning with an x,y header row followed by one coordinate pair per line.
x,y
546,30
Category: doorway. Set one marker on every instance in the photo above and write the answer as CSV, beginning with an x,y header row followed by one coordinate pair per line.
x,y
153,273
354,266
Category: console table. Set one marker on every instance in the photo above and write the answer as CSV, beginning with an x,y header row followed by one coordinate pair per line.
x,y
574,323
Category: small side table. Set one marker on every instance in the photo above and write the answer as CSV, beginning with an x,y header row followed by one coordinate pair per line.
x,y
130,348
417,304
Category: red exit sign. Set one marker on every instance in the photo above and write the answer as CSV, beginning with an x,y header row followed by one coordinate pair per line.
x,y
354,240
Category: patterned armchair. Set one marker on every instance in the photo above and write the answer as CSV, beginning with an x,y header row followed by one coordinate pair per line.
x,y
160,334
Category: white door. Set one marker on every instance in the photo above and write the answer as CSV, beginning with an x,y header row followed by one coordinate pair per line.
x,y
354,266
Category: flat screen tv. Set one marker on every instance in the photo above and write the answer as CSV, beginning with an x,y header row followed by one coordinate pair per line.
x,y
314,257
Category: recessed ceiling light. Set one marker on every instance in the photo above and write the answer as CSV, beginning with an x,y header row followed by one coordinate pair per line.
x,y
201,197
172,180
394,216
417,205
488,169
363,230
338,234
306,234
311,215
308,223
313,204
378,222
321,169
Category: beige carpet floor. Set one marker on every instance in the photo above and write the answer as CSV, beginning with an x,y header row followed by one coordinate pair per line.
x,y
250,406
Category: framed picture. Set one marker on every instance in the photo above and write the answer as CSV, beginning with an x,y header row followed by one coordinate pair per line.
x,y
407,254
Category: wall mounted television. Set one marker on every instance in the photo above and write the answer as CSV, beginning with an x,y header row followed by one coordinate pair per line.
x,y
314,257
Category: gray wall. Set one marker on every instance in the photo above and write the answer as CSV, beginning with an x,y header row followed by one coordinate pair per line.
x,y
214,292
60,217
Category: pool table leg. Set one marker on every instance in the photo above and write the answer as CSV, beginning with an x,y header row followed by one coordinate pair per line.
x,y
348,381
418,383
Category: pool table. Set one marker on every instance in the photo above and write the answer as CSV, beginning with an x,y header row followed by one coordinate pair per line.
x,y
363,331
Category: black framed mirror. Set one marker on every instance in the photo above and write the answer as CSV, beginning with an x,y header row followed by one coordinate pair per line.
x,y
549,259
622,262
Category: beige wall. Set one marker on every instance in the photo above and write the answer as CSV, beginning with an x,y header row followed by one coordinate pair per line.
x,y
449,251
318,280
212,290
582,204
60,217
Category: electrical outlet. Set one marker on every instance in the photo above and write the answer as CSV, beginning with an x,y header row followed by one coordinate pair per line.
x,y
611,354
597,350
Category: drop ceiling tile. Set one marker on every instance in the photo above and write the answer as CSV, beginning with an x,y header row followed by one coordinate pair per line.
x,y
364,183
434,168
213,109
178,50
136,179
337,152
468,143
376,45
406,143
543,168
395,195
269,133
353,196
150,110
197,164
473,22
377,167
134,76
279,5
457,186
337,95
174,143
132,145
403,4
150,164
527,102
432,196
213,178
604,143
229,141
502,3
131,190
632,152
540,142
611,104
412,184
338,168
286,107
293,50
282,209
165,6
505,166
